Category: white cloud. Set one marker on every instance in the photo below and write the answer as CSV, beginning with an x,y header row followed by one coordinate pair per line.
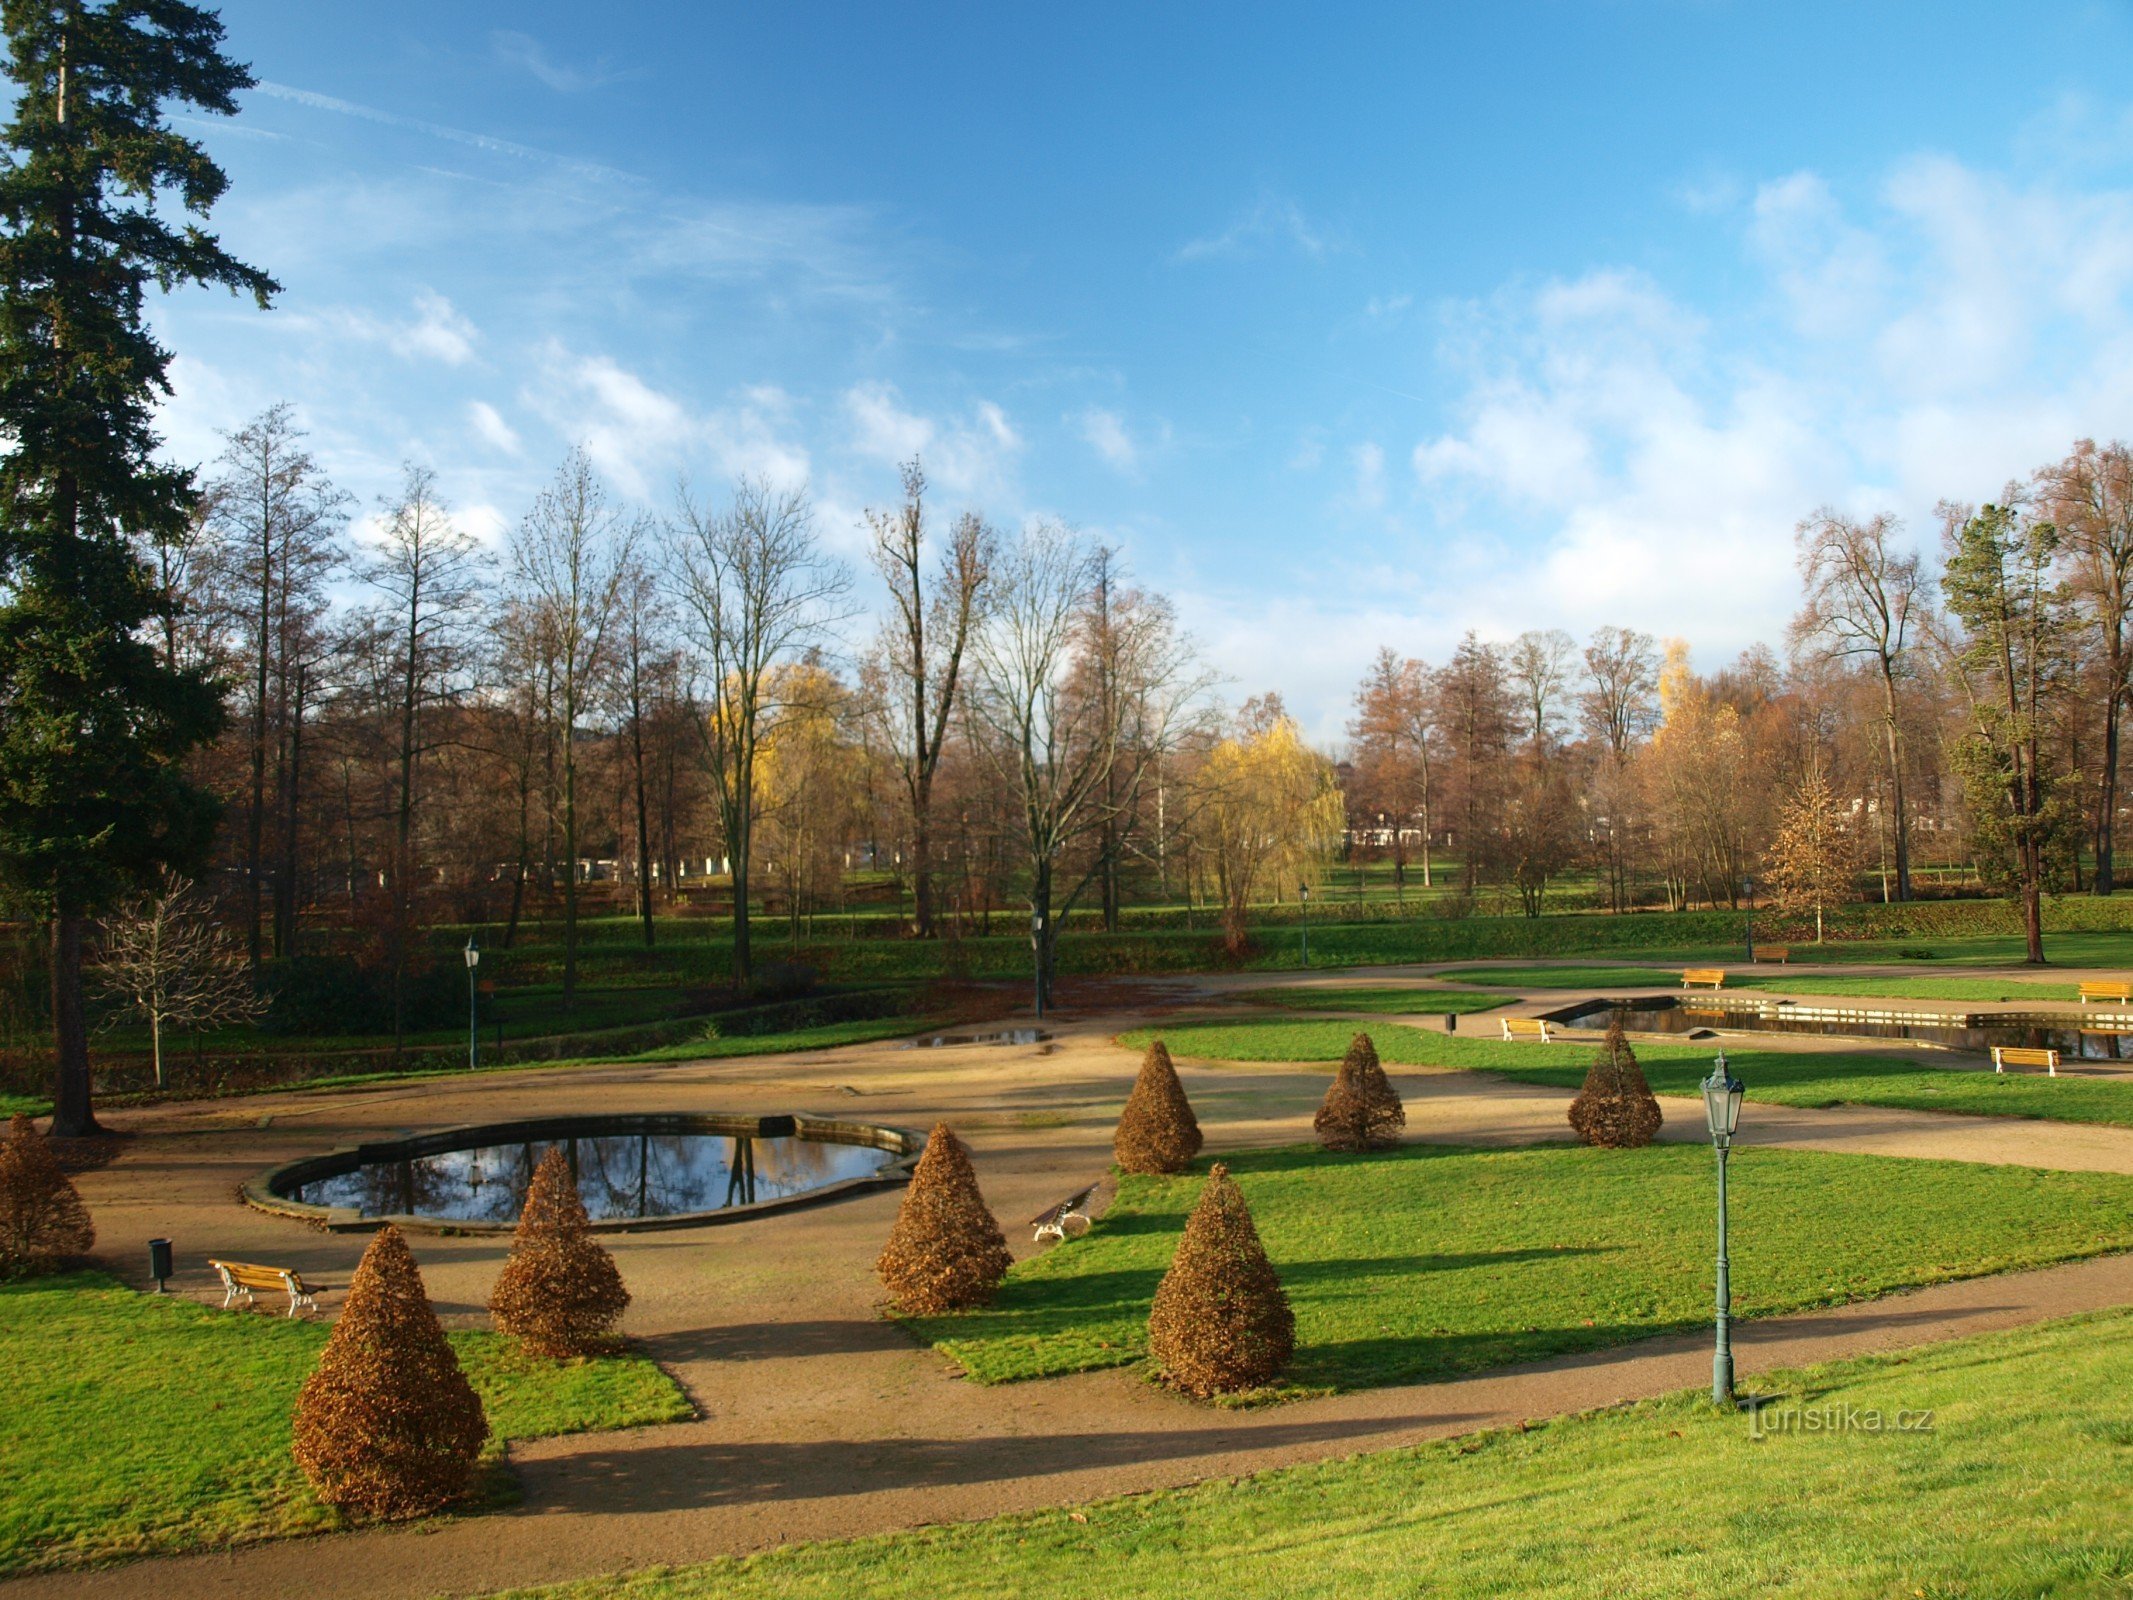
x,y
1107,436
438,332
1270,219
971,457
527,54
1367,461
489,425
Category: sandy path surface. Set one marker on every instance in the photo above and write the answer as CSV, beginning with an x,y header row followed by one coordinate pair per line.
x,y
819,1420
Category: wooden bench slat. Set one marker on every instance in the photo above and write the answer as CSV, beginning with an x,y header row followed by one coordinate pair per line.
x,y
1714,976
2022,1055
1779,953
1528,1028
2121,992
240,1278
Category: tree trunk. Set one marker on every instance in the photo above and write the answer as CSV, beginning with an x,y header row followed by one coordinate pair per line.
x,y
922,914
1896,806
73,1116
2108,801
570,845
285,895
644,823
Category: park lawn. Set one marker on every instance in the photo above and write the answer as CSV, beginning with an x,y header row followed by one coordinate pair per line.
x,y
1782,1077
1412,1002
1793,980
2020,1488
1427,1261
137,1425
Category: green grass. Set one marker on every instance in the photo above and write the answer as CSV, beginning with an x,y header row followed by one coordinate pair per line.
x,y
1794,980
136,1425
2019,1491
1427,1261
1413,1002
1782,1077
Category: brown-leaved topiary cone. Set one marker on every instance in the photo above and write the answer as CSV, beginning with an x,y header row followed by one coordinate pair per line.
x,y
387,1423
560,1292
946,1253
1157,1131
1362,1109
42,1219
1616,1107
1221,1321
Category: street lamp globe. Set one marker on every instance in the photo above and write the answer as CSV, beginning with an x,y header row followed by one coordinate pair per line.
x,y
473,953
1721,1102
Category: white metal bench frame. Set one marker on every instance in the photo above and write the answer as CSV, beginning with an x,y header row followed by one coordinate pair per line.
x,y
2029,1055
1053,1221
235,1291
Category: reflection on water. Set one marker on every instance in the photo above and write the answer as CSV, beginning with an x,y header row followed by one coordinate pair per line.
x,y
1979,1032
939,1041
619,1176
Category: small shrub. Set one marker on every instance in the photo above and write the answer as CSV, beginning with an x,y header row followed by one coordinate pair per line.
x,y
1615,1108
1220,1322
387,1423
946,1253
560,1292
42,1219
1362,1109
1157,1131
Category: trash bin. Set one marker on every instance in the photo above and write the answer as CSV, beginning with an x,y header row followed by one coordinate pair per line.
x,y
159,1262
1451,1022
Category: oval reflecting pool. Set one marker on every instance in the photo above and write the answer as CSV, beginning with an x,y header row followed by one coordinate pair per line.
x,y
632,1171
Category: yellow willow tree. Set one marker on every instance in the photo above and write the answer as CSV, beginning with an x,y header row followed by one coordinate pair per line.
x,y
1695,779
810,785
1269,811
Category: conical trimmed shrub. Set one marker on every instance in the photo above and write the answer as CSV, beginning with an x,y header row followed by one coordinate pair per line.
x,y
1221,1321
1616,1107
560,1292
42,1219
1157,1131
1362,1109
387,1423
946,1253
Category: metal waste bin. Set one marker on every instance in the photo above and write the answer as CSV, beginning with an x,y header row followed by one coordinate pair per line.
x,y
159,1262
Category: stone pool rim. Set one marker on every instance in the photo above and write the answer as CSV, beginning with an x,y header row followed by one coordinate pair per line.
x,y
265,1191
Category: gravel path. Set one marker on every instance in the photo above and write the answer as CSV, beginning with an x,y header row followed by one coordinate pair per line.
x,y
821,1421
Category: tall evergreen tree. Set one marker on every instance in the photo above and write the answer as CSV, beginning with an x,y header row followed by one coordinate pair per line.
x,y
95,724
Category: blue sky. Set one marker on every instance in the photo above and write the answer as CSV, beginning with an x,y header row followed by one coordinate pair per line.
x,y
1350,325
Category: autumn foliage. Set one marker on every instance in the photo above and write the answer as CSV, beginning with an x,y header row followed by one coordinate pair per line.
x,y
1362,1109
946,1253
1221,1322
560,1292
42,1219
1157,1131
1616,1107
387,1423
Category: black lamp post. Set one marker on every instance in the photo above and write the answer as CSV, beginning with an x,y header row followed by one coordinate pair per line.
x,y
473,954
1721,1108
1303,891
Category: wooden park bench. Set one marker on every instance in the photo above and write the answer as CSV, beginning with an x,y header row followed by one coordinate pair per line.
x,y
1528,1028
1053,1221
2018,1055
1781,954
240,1278
2115,990
1712,977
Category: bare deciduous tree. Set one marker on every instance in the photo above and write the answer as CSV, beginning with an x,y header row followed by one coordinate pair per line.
x,y
1863,601
920,653
167,962
425,570
1539,662
757,589
2089,498
567,559
1621,705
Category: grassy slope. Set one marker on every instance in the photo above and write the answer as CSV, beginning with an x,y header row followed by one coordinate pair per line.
x,y
1782,1077
135,1424
1429,1260
1393,1002
1794,980
2019,1490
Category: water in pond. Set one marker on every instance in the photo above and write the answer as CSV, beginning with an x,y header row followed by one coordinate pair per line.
x,y
938,1041
620,1176
1978,1032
